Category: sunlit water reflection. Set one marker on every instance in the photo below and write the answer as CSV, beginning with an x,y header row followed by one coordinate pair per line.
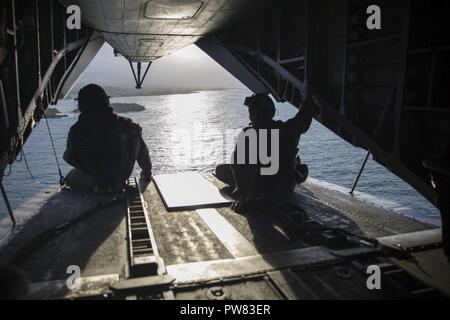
x,y
188,132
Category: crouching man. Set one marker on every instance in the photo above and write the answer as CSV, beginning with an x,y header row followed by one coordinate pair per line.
x,y
253,180
103,147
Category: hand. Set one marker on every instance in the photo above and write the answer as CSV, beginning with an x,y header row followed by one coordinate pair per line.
x,y
146,177
241,205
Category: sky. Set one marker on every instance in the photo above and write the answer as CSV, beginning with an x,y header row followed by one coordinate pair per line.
x,y
187,68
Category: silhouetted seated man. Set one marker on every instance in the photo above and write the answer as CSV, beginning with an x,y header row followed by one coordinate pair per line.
x,y
103,147
250,185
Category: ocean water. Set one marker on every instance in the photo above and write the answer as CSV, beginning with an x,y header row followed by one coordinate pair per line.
x,y
195,132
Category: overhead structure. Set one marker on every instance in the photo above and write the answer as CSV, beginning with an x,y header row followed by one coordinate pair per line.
x,y
138,76
143,31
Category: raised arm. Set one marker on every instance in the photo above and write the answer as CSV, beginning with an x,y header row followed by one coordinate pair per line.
x,y
302,120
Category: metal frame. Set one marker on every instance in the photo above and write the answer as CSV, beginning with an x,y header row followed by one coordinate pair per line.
x,y
16,59
71,67
8,206
144,258
137,77
360,173
401,80
387,156
45,81
220,269
4,109
38,42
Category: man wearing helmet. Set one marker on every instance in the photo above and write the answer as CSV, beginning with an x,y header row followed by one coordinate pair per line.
x,y
103,147
246,178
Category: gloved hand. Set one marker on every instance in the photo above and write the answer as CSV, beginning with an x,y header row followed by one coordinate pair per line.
x,y
146,177
243,202
241,205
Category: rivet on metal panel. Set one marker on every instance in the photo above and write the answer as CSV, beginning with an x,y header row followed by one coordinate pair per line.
x,y
344,272
217,293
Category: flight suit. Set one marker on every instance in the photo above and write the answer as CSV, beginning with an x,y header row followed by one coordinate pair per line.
x,y
103,148
290,172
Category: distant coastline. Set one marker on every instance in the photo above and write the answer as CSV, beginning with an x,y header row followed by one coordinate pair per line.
x,y
116,92
127,107
120,107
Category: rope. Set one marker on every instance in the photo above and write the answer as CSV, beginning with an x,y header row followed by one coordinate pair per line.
x,y
19,156
61,177
26,164
9,171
